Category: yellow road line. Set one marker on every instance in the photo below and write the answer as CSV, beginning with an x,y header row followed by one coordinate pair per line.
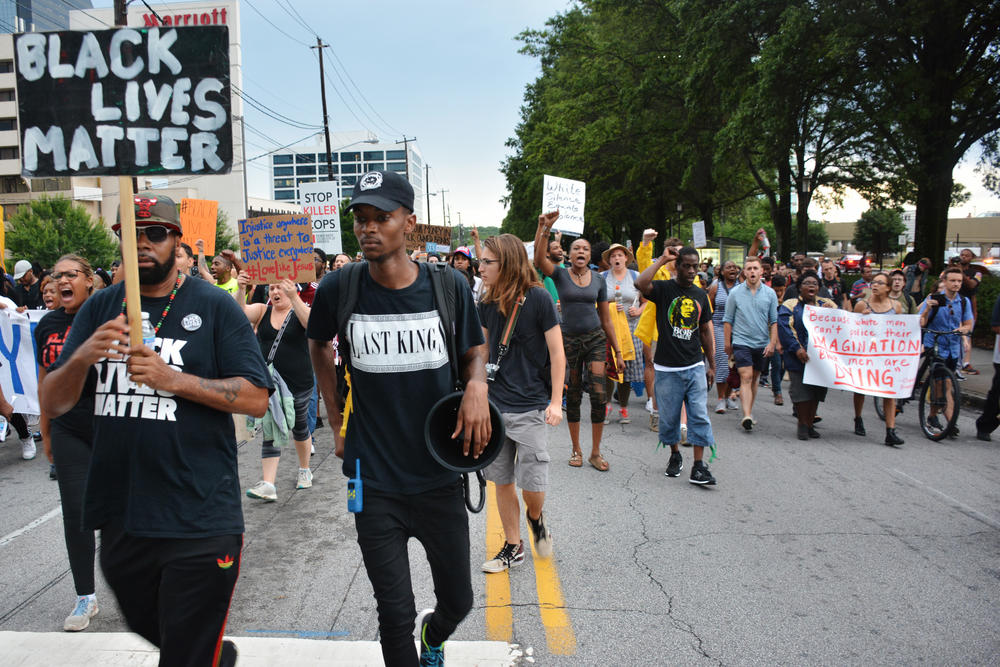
x,y
559,633
499,613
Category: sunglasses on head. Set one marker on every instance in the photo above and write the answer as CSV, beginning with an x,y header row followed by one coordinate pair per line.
x,y
155,233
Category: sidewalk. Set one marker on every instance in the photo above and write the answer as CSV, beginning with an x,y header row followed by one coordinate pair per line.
x,y
975,387
111,649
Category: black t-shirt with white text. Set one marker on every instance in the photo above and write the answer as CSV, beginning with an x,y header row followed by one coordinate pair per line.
x,y
398,358
50,336
164,463
523,382
680,314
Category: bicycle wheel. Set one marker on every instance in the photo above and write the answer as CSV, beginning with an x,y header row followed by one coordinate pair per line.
x,y
879,407
939,391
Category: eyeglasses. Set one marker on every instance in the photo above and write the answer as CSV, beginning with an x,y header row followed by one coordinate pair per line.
x,y
69,274
155,233
489,262
880,282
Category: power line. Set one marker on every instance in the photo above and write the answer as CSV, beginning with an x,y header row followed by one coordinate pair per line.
x,y
337,58
296,16
261,14
101,21
268,111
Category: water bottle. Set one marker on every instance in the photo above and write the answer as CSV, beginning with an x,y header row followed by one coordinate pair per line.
x,y
765,246
619,302
148,332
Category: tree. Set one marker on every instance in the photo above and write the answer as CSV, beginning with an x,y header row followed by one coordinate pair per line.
x,y
48,228
928,85
224,238
348,241
878,231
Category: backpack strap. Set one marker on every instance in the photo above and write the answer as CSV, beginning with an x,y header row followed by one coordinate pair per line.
x,y
443,285
349,288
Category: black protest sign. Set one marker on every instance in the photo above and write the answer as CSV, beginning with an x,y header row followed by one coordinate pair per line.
x,y
124,102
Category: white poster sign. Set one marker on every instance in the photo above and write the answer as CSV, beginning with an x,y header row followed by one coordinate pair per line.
x,y
698,232
568,197
19,373
319,201
529,247
876,355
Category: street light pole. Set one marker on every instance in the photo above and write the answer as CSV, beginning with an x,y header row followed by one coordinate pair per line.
x,y
444,220
406,151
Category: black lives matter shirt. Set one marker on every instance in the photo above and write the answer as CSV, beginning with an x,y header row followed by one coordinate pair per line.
x,y
50,336
523,382
680,313
164,463
398,359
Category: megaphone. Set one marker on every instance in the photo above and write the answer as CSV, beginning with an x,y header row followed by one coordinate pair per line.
x,y
439,426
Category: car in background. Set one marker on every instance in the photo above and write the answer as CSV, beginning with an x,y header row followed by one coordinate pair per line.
x,y
852,263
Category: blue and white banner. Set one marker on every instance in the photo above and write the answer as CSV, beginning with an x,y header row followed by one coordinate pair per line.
x,y
19,371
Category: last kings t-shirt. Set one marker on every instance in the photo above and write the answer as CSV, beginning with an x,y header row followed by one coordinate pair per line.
x,y
680,314
398,358
164,463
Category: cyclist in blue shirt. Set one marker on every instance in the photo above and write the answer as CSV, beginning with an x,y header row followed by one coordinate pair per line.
x,y
953,313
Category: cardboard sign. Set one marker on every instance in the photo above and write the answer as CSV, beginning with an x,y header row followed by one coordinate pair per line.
x,y
319,200
124,102
424,234
198,218
870,354
568,197
276,247
698,234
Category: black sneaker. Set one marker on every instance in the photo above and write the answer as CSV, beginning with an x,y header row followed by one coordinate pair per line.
x,y
540,532
984,436
700,474
813,433
747,423
52,471
859,426
510,555
891,439
675,465
803,432
430,655
953,432
935,423
319,422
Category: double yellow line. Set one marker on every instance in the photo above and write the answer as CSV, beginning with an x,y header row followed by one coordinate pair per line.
x,y
552,608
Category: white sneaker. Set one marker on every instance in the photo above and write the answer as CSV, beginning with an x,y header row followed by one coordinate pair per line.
x,y
649,405
263,491
305,479
733,403
85,609
720,407
28,450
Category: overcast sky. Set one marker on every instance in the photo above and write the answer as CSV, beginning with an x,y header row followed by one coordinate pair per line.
x,y
447,72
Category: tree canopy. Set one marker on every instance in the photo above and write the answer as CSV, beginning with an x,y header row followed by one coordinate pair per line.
x,y
46,229
704,104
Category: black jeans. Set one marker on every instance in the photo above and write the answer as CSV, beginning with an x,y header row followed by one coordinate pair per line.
x,y
988,422
438,519
71,454
174,592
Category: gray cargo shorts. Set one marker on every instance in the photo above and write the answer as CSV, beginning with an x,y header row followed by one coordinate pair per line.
x,y
525,457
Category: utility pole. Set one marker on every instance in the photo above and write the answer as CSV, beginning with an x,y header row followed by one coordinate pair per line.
x,y
326,119
406,150
444,219
427,189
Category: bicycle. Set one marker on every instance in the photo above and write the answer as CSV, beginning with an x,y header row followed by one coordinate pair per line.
x,y
934,385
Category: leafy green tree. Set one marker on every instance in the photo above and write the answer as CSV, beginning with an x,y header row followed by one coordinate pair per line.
x,y
224,237
928,85
47,228
348,241
875,223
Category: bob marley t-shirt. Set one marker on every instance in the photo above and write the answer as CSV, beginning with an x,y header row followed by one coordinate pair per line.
x,y
164,463
680,313
398,357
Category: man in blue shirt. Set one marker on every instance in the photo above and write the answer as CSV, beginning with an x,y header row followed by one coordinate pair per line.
x,y
751,330
953,313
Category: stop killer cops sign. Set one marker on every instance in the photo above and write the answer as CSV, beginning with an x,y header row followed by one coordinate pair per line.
x,y
124,102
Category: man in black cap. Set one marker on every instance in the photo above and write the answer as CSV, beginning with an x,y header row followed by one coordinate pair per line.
x,y
394,343
168,504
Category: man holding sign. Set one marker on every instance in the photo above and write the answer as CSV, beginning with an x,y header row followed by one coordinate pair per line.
x,y
163,486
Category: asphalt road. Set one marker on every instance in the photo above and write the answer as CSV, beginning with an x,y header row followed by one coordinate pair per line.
x,y
830,551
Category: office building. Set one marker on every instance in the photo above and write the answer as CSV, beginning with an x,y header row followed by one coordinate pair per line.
x,y
352,154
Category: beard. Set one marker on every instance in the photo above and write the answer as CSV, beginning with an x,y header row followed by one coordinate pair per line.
x,y
153,275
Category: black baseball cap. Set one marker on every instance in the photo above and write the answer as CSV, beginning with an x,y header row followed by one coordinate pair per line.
x,y
385,190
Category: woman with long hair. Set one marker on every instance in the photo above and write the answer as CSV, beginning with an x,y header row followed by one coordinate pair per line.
x,y
526,371
718,294
586,328
69,440
879,303
281,327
